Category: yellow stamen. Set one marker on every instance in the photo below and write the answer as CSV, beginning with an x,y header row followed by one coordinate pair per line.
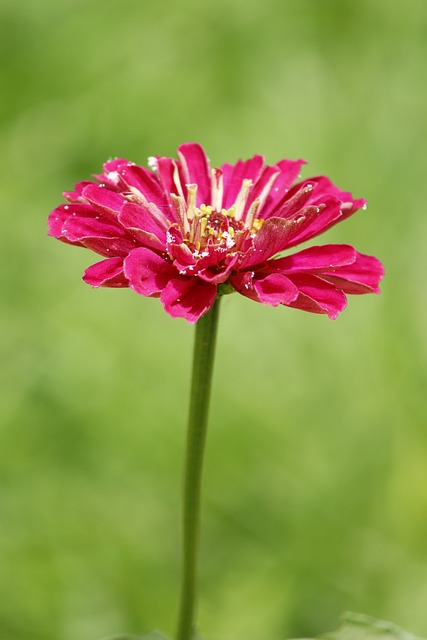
x,y
242,199
191,200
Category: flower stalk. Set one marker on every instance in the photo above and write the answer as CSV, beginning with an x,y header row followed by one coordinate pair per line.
x,y
203,360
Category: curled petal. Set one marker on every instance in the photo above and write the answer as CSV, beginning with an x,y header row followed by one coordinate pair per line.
x,y
146,185
188,298
317,295
272,289
147,272
139,221
104,201
107,273
363,276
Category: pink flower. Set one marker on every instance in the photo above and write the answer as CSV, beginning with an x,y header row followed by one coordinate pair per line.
x,y
184,233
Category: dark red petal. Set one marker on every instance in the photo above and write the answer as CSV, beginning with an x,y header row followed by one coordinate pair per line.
x,y
107,273
188,298
363,276
234,175
147,272
317,295
316,259
196,170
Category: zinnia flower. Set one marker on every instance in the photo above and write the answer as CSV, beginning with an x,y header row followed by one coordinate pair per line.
x,y
185,233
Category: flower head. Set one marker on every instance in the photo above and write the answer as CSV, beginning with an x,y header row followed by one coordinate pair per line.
x,y
184,232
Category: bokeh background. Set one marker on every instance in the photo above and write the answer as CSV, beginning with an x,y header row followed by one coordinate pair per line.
x,y
315,488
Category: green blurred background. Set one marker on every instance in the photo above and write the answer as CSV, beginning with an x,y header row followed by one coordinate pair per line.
x,y
315,491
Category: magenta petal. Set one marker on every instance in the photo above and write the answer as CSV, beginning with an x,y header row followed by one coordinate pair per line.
x,y
140,222
318,296
188,298
59,216
320,258
275,289
233,176
147,272
220,273
107,273
148,184
182,256
321,218
196,170
289,171
104,200
363,276
76,195
168,173
270,239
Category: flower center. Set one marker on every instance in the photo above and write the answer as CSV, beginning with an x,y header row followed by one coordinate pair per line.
x,y
210,227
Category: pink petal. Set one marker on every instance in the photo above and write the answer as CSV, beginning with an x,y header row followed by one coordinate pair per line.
x,y
76,195
270,239
188,298
324,187
148,184
289,171
183,257
140,222
319,219
268,177
195,169
316,259
147,272
363,276
61,214
234,175
107,273
168,173
275,289
220,273
79,228
272,289
104,200
291,206
102,236
317,296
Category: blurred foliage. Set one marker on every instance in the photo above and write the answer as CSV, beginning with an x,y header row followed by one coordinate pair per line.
x,y
316,471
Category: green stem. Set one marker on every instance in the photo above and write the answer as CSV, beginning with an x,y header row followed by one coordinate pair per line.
x,y
203,359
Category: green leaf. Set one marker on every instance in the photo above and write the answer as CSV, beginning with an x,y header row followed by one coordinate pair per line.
x,y
357,626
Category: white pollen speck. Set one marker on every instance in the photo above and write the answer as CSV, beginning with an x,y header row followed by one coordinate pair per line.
x,y
152,163
66,207
113,176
